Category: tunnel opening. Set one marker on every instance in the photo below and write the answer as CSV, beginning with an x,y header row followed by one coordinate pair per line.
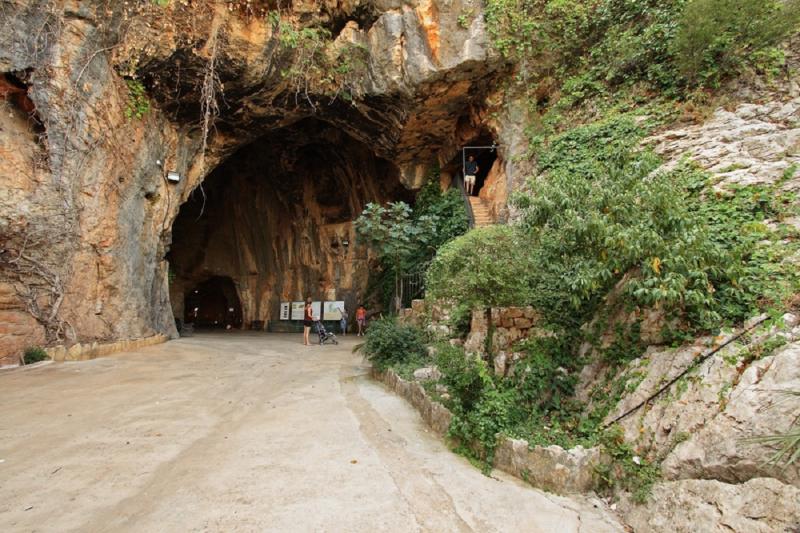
x,y
273,218
484,152
483,147
213,303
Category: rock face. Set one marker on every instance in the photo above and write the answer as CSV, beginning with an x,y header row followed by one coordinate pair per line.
x,y
101,99
275,217
758,405
760,505
752,144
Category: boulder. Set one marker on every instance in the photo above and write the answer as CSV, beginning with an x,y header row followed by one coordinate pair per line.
x,y
757,406
428,373
550,468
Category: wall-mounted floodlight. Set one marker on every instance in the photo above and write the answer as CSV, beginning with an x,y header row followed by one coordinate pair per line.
x,y
173,177
345,243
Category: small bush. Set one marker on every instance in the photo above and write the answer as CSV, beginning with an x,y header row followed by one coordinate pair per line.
x,y
138,103
481,408
465,376
487,267
34,354
626,471
716,37
389,342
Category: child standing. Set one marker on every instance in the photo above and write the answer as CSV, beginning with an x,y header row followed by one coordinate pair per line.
x,y
361,319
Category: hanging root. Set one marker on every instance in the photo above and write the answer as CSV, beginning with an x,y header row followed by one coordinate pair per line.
x,y
208,103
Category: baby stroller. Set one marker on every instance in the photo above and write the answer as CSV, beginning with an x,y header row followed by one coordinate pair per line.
x,y
324,335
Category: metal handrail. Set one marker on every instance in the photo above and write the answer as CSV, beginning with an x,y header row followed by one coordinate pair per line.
x,y
413,286
458,182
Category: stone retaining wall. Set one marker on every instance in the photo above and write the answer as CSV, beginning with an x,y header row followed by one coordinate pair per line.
x,y
506,326
85,351
550,468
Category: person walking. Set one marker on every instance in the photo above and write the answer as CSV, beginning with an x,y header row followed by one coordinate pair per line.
x,y
361,319
470,171
343,320
308,321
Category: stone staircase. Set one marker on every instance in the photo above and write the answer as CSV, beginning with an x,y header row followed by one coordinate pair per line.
x,y
480,212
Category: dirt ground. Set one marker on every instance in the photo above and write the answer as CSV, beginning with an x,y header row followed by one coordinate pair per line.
x,y
243,432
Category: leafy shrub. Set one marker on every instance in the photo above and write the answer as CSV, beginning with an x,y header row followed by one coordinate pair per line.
x,y
138,104
481,407
406,238
487,266
545,378
465,376
757,276
34,354
389,342
633,475
716,37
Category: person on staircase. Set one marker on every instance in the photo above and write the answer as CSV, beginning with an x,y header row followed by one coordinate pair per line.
x,y
470,171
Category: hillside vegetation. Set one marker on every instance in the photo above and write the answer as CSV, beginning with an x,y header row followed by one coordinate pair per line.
x,y
603,225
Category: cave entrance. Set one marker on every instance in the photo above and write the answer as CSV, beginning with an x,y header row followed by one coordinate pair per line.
x,y
484,152
214,303
272,219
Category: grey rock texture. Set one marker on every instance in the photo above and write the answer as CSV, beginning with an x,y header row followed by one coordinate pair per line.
x,y
550,468
755,406
761,505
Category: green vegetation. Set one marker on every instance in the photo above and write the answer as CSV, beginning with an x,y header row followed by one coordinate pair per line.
x,y
138,104
603,220
316,62
577,50
601,213
34,354
717,38
405,238
626,470
388,343
603,230
467,269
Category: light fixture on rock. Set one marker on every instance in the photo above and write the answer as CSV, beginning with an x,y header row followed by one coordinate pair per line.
x,y
173,176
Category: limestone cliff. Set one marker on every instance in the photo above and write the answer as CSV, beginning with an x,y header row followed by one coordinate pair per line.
x,y
102,99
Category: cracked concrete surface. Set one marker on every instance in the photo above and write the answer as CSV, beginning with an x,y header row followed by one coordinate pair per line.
x,y
244,432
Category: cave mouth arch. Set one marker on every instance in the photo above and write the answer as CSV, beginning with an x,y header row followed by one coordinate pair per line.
x,y
480,146
213,303
272,218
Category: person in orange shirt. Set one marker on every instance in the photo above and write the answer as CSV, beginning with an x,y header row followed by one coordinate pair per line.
x,y
361,319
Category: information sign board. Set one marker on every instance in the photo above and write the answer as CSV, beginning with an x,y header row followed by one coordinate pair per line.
x,y
333,310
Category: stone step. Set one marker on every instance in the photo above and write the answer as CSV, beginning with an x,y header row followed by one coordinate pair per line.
x,y
480,212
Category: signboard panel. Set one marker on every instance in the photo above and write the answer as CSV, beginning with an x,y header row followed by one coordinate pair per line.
x,y
297,310
285,310
316,310
333,310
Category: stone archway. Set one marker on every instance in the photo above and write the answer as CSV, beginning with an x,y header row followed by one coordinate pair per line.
x,y
274,216
214,303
